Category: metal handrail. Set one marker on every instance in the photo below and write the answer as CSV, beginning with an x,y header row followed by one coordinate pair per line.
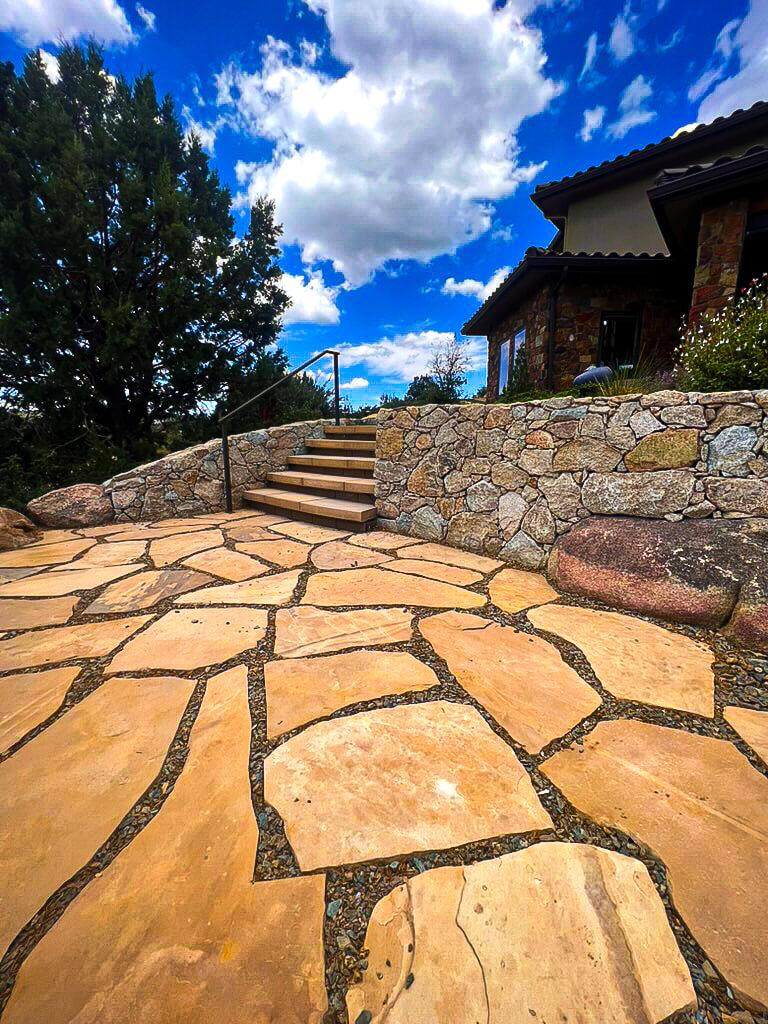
x,y
224,420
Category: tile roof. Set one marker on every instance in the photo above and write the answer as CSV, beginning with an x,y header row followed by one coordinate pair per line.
x,y
676,173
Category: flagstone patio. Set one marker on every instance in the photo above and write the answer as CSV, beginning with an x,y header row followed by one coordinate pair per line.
x,y
254,770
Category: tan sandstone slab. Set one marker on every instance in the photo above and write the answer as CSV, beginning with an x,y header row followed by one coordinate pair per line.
x,y
55,584
514,590
47,646
44,554
271,590
146,589
153,531
752,726
337,554
174,930
190,638
391,782
435,571
230,565
106,531
285,553
557,932
250,531
381,539
519,679
451,556
23,613
304,689
309,532
8,573
636,660
117,553
303,631
171,549
379,586
63,793
27,700
58,536
703,809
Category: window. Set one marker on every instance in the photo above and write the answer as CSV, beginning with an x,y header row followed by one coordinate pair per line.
x,y
503,365
619,337
754,254
519,342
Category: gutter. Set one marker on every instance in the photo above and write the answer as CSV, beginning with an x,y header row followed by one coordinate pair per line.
x,y
553,293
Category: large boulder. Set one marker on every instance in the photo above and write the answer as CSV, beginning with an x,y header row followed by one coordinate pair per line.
x,y
16,530
710,573
79,505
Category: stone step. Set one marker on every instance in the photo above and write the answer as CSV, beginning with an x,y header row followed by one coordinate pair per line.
x,y
340,444
332,462
352,430
322,481
311,504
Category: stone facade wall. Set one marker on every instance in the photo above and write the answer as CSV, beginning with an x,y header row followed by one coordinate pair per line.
x,y
507,480
581,300
721,237
191,482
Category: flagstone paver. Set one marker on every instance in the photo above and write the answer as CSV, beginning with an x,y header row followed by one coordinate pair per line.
x,y
382,539
55,584
338,554
107,750
277,589
557,932
398,780
44,554
435,571
27,700
636,660
513,590
752,726
309,532
379,586
249,531
519,679
58,536
303,631
285,553
153,531
170,549
451,556
304,689
22,613
703,809
190,638
8,573
230,565
146,589
105,531
174,929
61,643
117,553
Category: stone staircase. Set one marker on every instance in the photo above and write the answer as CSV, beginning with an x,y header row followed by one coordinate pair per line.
x,y
332,484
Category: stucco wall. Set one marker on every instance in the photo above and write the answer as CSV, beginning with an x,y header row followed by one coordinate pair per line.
x,y
506,480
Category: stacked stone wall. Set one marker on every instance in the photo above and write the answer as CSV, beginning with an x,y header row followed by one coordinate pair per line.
x,y
507,480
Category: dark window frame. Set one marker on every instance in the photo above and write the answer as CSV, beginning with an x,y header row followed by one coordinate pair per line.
x,y
623,314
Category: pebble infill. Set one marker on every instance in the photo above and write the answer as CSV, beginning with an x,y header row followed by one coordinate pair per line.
x,y
352,891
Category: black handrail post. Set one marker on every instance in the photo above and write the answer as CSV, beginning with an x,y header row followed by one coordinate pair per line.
x,y
336,386
227,471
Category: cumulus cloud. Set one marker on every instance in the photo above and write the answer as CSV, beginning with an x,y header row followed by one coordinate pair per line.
x,y
205,132
405,356
403,155
633,108
356,384
744,43
621,41
33,22
312,302
476,288
147,17
593,120
51,65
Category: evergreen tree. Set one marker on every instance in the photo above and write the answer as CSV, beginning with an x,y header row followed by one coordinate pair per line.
x,y
125,297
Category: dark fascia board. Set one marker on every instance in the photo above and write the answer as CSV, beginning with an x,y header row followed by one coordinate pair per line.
x,y
554,199
535,269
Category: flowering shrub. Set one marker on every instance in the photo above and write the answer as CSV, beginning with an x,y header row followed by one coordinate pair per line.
x,y
728,350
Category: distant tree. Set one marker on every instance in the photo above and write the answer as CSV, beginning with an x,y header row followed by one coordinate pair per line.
x,y
449,368
125,297
299,398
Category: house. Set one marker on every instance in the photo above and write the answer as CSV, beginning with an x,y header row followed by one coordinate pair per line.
x,y
643,241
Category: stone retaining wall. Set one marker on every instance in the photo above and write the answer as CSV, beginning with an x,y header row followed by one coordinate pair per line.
x,y
191,482
507,480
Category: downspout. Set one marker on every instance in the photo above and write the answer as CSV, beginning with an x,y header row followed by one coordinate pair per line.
x,y
553,293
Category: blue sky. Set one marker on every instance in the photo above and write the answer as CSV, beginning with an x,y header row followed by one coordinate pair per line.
x,y
401,139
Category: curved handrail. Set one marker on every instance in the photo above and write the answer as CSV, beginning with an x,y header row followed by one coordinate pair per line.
x,y
224,420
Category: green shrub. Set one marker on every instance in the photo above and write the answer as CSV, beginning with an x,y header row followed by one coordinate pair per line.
x,y
728,350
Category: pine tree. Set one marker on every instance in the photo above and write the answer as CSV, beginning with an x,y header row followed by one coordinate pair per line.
x,y
125,297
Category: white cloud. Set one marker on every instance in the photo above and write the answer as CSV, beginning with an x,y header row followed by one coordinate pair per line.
x,y
633,108
405,356
403,155
356,384
503,232
147,17
33,22
590,55
312,302
670,42
745,41
471,287
51,65
704,83
593,120
621,41
205,132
